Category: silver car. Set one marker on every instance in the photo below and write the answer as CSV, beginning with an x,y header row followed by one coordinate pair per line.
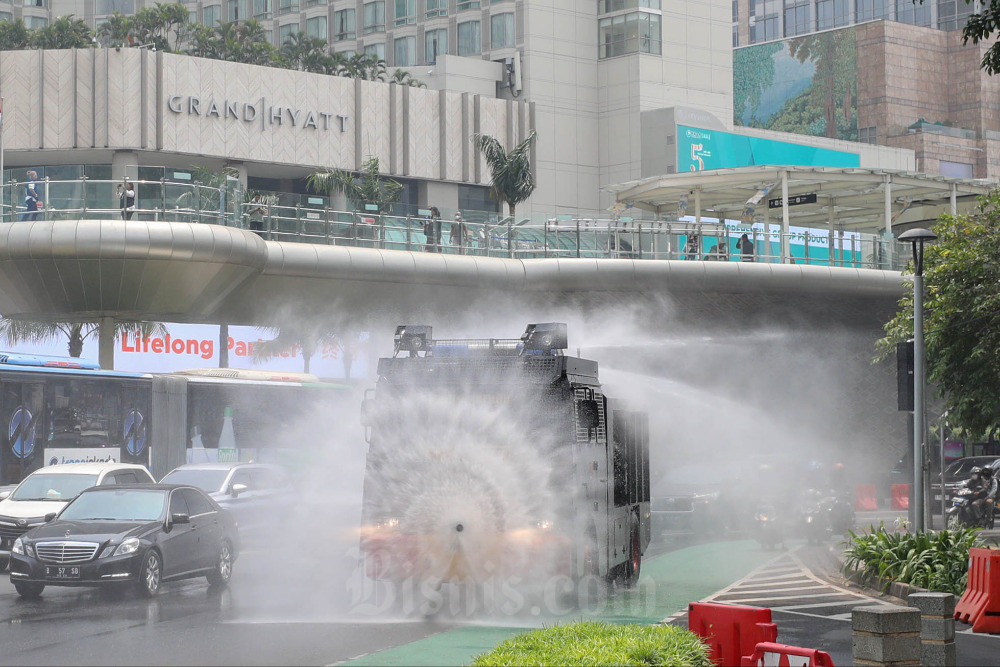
x,y
255,493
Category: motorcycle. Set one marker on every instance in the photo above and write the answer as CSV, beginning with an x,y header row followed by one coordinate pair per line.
x,y
769,532
840,514
962,514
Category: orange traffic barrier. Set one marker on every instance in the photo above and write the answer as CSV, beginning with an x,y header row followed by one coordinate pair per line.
x,y
865,497
769,653
900,496
980,603
731,631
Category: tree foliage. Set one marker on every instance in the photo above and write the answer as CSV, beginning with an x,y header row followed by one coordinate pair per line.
x,y
962,316
65,32
979,28
17,331
367,188
512,180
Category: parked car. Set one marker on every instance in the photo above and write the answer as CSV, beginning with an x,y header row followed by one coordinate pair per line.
x,y
47,490
957,473
254,492
140,535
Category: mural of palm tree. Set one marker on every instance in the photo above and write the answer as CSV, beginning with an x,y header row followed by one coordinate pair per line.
x,y
512,179
17,332
309,339
404,78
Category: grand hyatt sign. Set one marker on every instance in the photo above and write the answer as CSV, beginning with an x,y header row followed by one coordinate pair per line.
x,y
267,115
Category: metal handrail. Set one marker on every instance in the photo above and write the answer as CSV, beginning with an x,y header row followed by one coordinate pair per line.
x,y
561,236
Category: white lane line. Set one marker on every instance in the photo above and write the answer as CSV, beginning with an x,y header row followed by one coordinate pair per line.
x,y
835,587
750,576
811,586
790,597
852,603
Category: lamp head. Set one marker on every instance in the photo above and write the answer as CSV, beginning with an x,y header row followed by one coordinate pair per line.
x,y
918,235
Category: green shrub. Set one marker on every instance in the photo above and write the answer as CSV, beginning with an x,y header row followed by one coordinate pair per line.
x,y
935,561
598,643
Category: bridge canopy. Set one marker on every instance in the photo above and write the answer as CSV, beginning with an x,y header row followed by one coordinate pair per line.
x,y
853,199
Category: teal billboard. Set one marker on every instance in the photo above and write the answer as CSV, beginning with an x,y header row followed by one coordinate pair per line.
x,y
699,149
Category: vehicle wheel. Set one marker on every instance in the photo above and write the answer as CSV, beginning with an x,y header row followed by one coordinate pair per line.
x,y
634,562
29,590
223,568
150,575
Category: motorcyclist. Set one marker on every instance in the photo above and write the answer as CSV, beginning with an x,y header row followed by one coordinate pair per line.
x,y
985,486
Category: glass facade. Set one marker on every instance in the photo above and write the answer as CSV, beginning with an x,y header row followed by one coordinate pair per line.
x,y
872,10
286,31
797,17
211,15
435,8
262,9
374,18
469,38
316,27
501,30
344,25
635,32
764,20
608,6
404,51
406,12
435,44
916,14
832,14
376,50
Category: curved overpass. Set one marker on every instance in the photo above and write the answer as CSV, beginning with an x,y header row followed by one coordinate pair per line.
x,y
183,272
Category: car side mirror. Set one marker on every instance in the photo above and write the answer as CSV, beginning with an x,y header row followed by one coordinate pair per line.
x,y
238,489
180,517
50,516
4,495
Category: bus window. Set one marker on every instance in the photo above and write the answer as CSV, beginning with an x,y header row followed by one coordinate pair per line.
x,y
21,409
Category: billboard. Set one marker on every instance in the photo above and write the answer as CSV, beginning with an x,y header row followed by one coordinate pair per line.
x,y
804,85
699,149
188,346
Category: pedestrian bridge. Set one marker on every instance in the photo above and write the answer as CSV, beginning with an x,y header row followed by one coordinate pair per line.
x,y
191,272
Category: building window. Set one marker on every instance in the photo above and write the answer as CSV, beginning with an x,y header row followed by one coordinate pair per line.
x,y
316,27
211,15
796,17
832,14
36,3
435,44
867,135
953,14
375,17
872,10
288,6
286,31
468,4
404,52
907,12
311,3
112,6
406,12
501,30
608,6
376,50
233,10
7,16
344,26
469,38
436,8
764,20
33,22
262,9
637,32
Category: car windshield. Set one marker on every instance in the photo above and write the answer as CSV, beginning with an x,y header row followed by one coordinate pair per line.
x,y
208,481
963,467
53,486
113,504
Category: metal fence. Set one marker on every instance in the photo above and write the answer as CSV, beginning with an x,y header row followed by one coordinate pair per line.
x,y
311,220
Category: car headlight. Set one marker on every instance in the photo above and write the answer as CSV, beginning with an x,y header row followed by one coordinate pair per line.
x,y
543,525
391,522
129,546
22,547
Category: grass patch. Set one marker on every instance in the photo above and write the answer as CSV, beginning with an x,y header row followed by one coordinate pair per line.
x,y
598,643
935,561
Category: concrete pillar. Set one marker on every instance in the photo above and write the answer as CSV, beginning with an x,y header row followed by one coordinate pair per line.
x,y
106,343
786,250
886,635
937,628
125,164
223,346
241,170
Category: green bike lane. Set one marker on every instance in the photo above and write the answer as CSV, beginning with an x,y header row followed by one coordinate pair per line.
x,y
668,583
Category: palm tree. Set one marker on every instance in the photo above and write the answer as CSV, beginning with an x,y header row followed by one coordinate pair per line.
x,y
14,35
16,331
306,338
115,30
65,32
305,53
511,172
368,188
404,78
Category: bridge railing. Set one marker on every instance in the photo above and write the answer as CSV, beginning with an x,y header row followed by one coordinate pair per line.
x,y
312,220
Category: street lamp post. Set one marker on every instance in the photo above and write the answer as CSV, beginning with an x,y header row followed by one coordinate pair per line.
x,y
917,238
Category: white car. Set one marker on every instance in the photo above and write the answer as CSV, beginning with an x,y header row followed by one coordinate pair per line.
x,y
256,493
47,490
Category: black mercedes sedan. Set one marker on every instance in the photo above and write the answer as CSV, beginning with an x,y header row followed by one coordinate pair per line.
x,y
140,535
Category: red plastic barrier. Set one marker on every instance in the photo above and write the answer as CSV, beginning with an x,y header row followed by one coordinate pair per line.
x,y
900,496
769,653
980,603
731,631
865,497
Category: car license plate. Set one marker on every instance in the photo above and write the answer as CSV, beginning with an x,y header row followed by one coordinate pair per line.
x,y
55,572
